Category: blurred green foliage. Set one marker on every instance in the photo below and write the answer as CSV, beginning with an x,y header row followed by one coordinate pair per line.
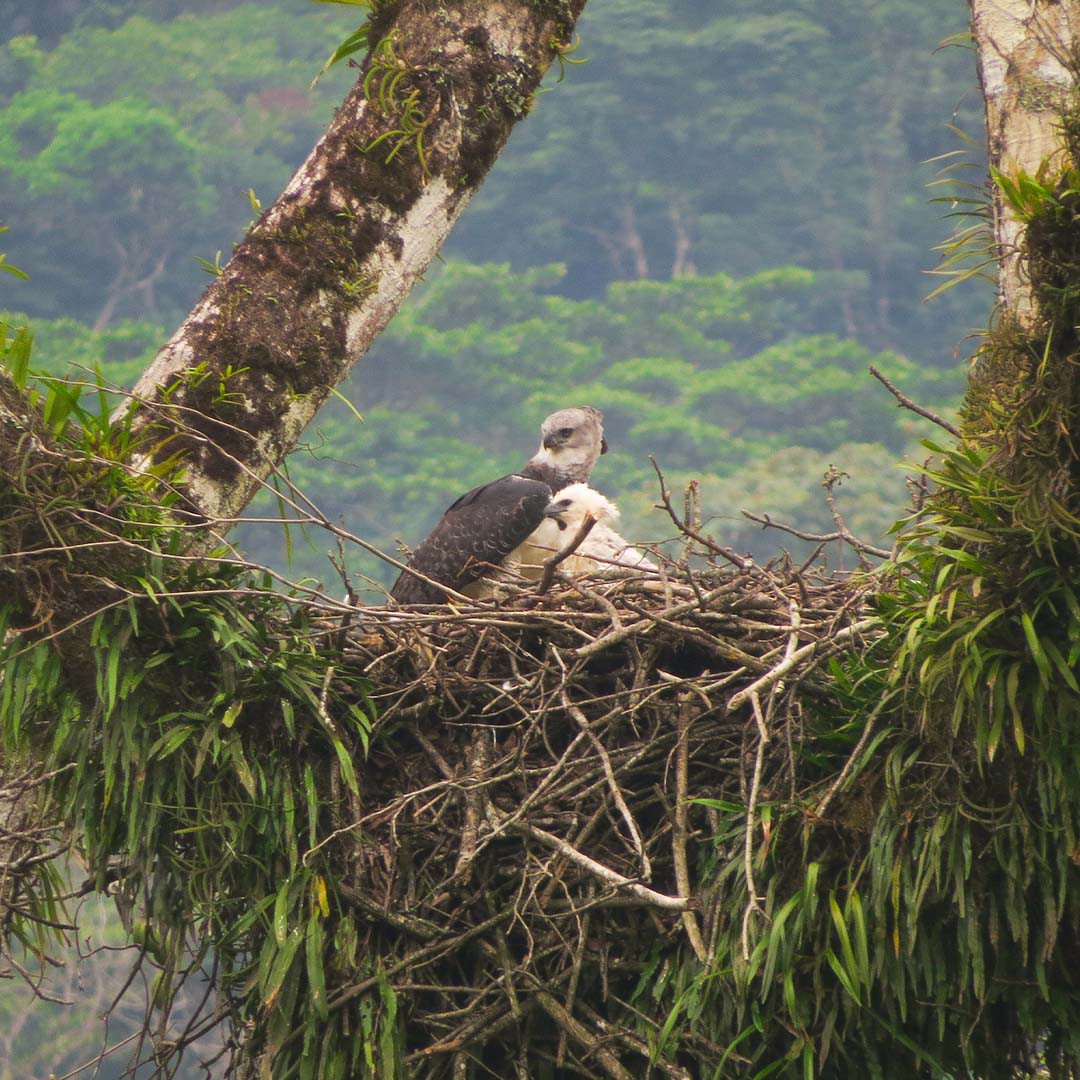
x,y
128,149
746,385
734,136
743,384
700,137
709,233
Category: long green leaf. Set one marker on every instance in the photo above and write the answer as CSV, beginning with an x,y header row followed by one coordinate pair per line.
x,y
283,960
356,41
313,947
1036,649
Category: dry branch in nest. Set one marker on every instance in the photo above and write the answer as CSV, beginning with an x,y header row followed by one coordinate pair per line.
x,y
29,843
545,795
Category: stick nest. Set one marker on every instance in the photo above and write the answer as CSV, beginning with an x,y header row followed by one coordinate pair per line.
x,y
556,786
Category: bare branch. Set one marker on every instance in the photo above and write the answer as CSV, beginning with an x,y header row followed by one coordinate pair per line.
x,y
904,402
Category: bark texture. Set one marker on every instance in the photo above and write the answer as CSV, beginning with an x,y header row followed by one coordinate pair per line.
x,y
326,267
303,297
1027,67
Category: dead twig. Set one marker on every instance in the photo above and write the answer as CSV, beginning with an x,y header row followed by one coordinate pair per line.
x,y
680,833
592,1044
551,564
904,402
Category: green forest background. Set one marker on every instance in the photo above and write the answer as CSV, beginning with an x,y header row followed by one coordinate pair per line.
x,y
709,230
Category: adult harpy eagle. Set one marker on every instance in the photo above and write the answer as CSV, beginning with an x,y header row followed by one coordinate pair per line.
x,y
486,524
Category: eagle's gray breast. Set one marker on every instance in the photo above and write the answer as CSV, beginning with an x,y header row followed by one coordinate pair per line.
x,y
475,534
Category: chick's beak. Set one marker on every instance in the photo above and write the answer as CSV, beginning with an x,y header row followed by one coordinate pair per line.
x,y
603,445
554,511
552,442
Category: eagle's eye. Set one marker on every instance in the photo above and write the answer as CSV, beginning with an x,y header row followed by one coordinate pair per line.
x,y
566,432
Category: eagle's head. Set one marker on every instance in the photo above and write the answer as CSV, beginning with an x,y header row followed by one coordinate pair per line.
x,y
572,439
569,507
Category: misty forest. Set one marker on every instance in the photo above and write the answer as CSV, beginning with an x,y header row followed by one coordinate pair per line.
x,y
796,795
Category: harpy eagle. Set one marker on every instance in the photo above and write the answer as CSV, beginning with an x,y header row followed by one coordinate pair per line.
x,y
484,526
603,551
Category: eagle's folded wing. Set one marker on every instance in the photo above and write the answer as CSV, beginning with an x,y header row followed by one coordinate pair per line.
x,y
474,535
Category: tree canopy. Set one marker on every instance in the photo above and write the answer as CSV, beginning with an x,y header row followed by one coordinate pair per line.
x,y
816,163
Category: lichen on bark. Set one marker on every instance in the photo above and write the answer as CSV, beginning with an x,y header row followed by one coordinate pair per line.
x,y
324,269
1026,51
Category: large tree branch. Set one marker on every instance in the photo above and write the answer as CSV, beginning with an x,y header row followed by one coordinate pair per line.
x,y
301,300
325,268
1027,68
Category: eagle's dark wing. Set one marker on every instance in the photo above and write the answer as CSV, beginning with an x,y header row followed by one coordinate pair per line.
x,y
476,533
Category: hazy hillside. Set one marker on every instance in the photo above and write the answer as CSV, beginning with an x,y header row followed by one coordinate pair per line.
x,y
711,228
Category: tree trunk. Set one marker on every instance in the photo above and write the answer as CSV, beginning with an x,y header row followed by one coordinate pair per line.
x,y
326,267
306,292
301,300
1026,59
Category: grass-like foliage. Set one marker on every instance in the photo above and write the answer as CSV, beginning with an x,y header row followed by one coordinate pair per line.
x,y
968,875
198,739
201,782
910,905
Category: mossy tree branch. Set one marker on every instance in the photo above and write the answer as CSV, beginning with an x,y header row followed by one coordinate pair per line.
x,y
927,924
325,268
1026,53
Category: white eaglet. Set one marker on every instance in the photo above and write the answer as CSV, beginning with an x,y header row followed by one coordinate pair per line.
x,y
603,549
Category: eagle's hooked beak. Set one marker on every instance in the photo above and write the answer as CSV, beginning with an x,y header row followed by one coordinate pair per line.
x,y
603,445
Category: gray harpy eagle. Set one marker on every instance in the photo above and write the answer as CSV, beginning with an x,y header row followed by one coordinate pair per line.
x,y
488,523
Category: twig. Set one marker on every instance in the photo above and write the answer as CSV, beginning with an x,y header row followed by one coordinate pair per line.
x,y
679,834
692,518
476,765
552,563
838,783
575,976
503,953
634,1042
905,402
591,1043
752,903
429,748
842,536
616,636
790,660
490,1022
409,924
604,873
732,556
422,955
99,1058
609,773
832,478
919,487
